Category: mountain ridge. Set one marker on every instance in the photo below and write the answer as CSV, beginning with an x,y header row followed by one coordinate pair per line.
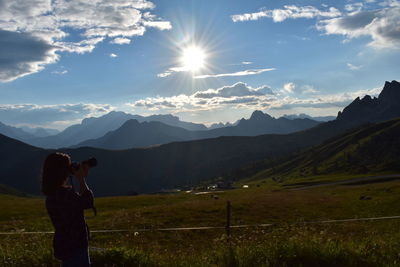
x,y
142,135
166,166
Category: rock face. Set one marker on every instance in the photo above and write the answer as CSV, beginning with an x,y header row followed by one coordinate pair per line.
x,y
368,109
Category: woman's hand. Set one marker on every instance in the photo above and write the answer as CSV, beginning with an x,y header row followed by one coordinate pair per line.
x,y
82,172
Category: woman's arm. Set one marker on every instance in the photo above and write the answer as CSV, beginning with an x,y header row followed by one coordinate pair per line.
x,y
81,174
86,195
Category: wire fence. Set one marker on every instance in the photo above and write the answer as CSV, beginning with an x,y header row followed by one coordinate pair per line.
x,y
202,228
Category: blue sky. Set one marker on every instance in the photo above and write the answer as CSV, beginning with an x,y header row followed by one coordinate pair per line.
x,y
62,61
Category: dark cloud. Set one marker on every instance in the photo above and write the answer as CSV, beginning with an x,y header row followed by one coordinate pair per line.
x,y
22,54
381,25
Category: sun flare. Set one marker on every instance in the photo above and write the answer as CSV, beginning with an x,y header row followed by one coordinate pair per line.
x,y
193,58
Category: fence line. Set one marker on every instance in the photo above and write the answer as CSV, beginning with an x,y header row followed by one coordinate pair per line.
x,y
211,227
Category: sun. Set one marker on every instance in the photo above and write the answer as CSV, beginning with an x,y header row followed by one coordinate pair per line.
x,y
193,58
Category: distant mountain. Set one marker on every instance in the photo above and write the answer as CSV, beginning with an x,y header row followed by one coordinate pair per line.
x,y
305,116
262,123
40,132
173,121
92,128
15,132
221,125
134,134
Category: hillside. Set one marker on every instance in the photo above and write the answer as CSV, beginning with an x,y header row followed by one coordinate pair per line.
x,y
371,148
166,166
174,164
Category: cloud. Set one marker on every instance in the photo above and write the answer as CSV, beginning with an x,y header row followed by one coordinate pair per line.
x,y
238,89
243,96
353,67
338,100
289,87
288,12
233,74
170,71
247,62
22,54
161,25
120,41
50,115
60,72
238,93
309,89
382,25
112,55
46,24
354,7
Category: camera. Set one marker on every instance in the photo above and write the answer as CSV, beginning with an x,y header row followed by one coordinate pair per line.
x,y
91,162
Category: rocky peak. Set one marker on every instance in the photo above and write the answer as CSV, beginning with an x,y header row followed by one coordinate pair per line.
x,y
259,115
369,109
390,92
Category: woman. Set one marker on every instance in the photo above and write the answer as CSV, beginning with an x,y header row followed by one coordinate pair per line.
x,y
65,208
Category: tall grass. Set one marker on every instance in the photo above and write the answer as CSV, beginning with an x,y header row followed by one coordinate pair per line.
x,y
286,246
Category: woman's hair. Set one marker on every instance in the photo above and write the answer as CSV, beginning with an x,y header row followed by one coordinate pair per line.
x,y
56,169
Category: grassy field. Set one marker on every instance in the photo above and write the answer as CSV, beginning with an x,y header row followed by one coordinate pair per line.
x,y
289,242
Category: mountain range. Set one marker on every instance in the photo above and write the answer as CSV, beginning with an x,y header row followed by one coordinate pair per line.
x,y
190,162
91,128
107,131
135,134
305,116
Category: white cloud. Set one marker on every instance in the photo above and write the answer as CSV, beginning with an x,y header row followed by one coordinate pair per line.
x,y
353,67
120,41
164,74
354,7
242,96
161,25
60,72
338,100
238,89
232,74
238,93
170,71
112,55
289,87
48,23
288,12
309,89
383,26
247,62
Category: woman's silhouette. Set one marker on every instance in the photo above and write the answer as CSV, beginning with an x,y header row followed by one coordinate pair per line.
x,y
65,208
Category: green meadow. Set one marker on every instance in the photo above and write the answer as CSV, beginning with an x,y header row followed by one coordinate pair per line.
x,y
290,241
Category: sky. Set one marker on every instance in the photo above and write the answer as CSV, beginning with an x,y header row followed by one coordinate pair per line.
x,y
204,61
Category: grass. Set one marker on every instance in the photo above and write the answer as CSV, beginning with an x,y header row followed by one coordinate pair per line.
x,y
288,243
